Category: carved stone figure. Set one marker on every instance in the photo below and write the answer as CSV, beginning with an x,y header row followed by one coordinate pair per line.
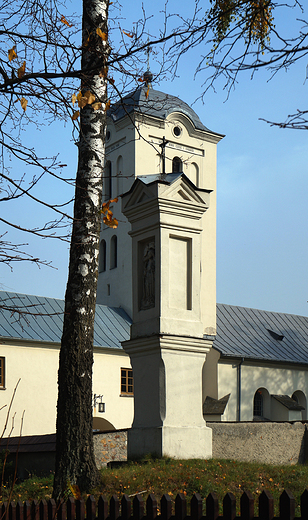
x,y
148,285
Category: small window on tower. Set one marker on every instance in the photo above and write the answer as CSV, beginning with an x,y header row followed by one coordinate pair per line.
x,y
127,381
2,366
177,165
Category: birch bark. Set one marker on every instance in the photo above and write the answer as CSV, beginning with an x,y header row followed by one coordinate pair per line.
x,y
74,446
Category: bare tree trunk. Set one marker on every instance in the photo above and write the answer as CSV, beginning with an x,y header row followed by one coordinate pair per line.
x,y
74,448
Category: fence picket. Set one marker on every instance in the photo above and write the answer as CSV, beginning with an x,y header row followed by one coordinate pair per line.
x,y
266,505
138,508
12,511
52,508
180,507
80,509
126,507
304,505
114,508
196,507
91,508
229,506
71,508
151,507
247,506
165,507
43,511
102,508
19,510
27,510
212,507
287,505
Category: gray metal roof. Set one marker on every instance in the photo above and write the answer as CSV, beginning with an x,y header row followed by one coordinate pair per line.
x,y
241,332
40,319
261,335
157,104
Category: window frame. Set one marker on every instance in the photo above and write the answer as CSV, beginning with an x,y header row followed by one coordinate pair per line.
x,y
2,372
124,386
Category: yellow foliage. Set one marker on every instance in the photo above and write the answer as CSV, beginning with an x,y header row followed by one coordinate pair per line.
x,y
23,103
97,105
147,92
90,97
66,22
74,99
12,53
103,35
108,218
128,34
74,490
75,115
107,106
21,71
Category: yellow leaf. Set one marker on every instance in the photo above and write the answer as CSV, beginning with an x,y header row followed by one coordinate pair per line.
x,y
147,92
75,115
21,71
128,34
75,490
74,99
111,223
12,53
23,103
103,35
97,106
107,105
79,95
82,102
90,97
66,22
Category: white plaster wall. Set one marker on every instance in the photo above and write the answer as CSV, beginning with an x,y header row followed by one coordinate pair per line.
x,y
277,379
37,366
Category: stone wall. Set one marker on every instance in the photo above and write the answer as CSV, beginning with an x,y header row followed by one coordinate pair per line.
x,y
109,446
270,443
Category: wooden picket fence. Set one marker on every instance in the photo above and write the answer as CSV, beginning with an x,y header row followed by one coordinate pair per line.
x,y
134,509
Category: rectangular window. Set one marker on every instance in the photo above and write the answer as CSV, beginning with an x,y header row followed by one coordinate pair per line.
x,y
127,381
2,381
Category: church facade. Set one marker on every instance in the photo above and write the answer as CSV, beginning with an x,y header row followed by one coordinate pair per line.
x,y
160,336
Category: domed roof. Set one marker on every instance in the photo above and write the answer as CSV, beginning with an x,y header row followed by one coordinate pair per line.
x,y
157,104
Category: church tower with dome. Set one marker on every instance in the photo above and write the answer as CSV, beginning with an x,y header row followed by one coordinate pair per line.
x,y
151,134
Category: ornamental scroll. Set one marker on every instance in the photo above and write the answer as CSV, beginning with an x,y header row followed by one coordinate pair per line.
x,y
148,276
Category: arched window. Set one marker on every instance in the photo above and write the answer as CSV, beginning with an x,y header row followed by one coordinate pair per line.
x,y
194,176
108,181
258,404
102,257
177,165
113,252
300,398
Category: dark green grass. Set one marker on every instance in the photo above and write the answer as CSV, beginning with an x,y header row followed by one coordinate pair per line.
x,y
186,476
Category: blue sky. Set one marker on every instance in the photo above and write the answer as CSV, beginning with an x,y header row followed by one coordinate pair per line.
x,y
262,188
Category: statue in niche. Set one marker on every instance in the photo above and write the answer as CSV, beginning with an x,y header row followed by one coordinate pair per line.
x,y
148,285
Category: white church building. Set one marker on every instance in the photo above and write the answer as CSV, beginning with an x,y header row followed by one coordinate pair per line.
x,y
167,357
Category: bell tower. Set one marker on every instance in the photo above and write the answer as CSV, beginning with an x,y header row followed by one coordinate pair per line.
x,y
146,129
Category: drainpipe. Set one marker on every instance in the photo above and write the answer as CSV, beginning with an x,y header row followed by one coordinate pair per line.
x,y
239,389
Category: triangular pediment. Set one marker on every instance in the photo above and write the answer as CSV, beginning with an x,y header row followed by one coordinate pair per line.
x,y
183,190
138,194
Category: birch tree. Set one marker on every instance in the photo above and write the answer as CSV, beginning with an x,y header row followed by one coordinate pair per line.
x,y
74,448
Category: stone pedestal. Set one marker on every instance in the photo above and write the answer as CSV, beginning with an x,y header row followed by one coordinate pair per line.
x,y
168,418
167,349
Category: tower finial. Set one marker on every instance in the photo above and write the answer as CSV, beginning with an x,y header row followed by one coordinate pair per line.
x,y
148,76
